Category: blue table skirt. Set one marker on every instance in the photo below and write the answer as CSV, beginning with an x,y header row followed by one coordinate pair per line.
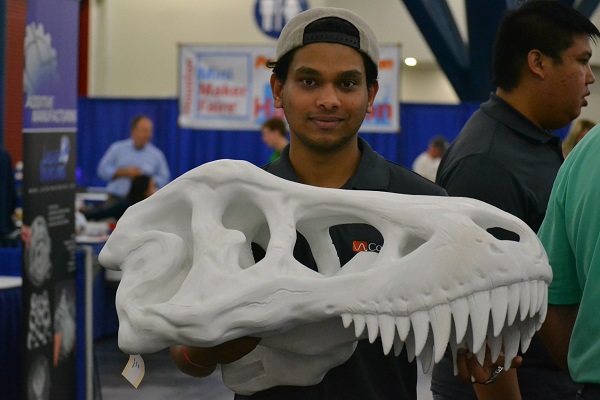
x,y
10,261
10,343
105,322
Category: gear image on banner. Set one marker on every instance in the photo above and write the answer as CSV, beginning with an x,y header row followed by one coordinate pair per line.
x,y
38,381
64,326
41,61
38,265
40,321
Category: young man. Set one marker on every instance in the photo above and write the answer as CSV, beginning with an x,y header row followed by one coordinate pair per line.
x,y
506,156
325,79
126,159
570,233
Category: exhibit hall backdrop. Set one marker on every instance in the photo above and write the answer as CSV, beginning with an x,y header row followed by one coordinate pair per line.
x,y
49,143
103,121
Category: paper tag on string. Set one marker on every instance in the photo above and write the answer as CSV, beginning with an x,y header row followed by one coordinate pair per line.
x,y
134,370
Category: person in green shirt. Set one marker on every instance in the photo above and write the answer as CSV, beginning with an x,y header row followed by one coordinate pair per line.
x,y
570,234
274,135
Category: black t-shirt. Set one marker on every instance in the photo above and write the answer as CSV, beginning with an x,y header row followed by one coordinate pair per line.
x,y
368,374
503,159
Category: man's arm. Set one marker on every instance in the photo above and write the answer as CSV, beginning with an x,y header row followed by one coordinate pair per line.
x,y
107,166
129,172
506,386
556,332
163,175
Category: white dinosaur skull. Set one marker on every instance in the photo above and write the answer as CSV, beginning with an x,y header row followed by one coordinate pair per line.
x,y
189,276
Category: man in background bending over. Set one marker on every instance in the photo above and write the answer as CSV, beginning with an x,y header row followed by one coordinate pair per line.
x,y
131,157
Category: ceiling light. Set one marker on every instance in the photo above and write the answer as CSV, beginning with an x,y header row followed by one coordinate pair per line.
x,y
411,62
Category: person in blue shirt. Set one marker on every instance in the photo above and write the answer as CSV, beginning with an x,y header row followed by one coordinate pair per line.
x,y
131,157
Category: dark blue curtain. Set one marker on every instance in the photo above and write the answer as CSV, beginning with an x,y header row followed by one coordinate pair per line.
x,y
103,121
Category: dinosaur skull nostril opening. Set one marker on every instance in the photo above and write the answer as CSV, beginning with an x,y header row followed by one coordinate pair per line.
x,y
411,244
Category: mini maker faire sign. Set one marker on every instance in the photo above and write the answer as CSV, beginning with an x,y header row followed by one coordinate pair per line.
x,y
227,87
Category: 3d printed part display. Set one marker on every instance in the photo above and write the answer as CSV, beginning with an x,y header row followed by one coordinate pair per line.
x,y
189,276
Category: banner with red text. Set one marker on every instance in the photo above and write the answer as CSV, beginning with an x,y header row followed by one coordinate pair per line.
x,y
227,87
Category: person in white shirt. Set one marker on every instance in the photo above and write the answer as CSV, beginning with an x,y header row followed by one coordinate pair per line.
x,y
426,164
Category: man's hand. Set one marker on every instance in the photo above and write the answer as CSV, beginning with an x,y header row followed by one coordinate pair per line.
x,y
130,172
491,381
468,366
202,361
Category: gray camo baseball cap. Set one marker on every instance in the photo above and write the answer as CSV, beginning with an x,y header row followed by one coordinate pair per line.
x,y
329,25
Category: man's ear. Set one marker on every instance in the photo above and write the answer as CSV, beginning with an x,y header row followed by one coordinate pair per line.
x,y
372,92
536,61
277,90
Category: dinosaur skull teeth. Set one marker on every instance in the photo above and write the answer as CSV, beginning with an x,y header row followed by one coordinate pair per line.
x,y
189,275
464,323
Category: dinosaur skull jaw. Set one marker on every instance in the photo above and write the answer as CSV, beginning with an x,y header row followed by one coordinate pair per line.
x,y
189,275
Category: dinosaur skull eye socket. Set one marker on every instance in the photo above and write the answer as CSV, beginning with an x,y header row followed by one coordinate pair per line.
x,y
247,218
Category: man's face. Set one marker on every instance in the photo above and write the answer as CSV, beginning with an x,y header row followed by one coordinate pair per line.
x,y
568,84
435,152
325,97
142,132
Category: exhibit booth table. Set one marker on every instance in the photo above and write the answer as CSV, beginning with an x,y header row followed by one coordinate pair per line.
x,y
95,316
10,334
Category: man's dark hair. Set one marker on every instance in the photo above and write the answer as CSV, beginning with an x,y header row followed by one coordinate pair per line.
x,y
276,124
440,143
136,119
546,25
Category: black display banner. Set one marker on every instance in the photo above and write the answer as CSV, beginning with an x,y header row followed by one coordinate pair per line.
x,y
49,326
49,149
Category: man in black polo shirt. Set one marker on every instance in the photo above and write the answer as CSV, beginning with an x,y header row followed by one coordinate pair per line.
x,y
325,79
506,156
